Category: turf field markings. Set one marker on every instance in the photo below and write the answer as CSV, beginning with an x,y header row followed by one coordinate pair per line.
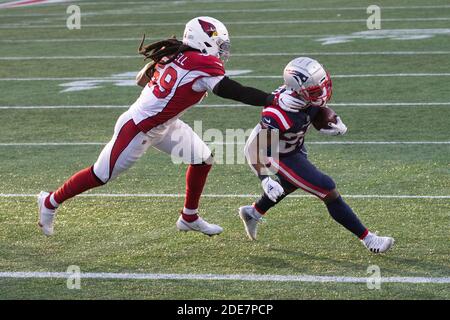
x,y
287,36
350,53
174,2
226,277
26,3
390,104
243,10
281,36
342,104
113,3
49,144
445,74
391,34
67,107
250,54
377,142
225,196
62,144
115,79
127,3
262,22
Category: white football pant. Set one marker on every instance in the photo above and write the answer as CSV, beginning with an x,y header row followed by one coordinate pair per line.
x,y
128,144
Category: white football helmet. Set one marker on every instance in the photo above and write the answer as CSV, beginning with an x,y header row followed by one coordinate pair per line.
x,y
208,35
309,79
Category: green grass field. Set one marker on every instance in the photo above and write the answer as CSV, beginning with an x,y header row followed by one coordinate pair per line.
x,y
400,95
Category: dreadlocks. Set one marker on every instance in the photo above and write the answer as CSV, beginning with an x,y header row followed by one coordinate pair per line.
x,y
157,50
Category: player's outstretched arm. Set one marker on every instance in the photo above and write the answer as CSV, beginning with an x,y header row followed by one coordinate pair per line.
x,y
230,89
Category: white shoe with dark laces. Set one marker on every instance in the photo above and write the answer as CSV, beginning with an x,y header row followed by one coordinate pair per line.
x,y
251,218
46,216
377,244
199,225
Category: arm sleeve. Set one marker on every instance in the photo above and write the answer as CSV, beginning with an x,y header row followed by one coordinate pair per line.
x,y
231,89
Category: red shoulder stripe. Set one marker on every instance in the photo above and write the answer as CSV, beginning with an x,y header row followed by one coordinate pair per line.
x,y
283,121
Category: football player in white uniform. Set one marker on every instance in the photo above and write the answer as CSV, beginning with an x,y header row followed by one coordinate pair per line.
x,y
178,77
276,153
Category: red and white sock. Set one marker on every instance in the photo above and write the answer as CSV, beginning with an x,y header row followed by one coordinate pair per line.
x,y
365,235
196,176
50,201
189,215
80,182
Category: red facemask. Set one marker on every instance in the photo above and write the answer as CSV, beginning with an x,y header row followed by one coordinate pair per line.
x,y
319,92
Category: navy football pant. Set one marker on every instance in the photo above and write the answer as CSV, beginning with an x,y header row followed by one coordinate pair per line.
x,y
296,171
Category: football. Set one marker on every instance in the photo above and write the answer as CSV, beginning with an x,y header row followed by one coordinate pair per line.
x,y
323,117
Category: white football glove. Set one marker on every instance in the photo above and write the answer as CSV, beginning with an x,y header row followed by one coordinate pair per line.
x,y
337,129
271,188
291,102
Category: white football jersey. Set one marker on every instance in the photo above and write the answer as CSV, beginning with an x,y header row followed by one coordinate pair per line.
x,y
176,87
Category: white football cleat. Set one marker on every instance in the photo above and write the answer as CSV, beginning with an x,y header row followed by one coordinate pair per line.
x,y
199,225
250,217
377,244
46,215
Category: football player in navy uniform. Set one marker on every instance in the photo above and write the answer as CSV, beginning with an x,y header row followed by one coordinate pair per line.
x,y
276,153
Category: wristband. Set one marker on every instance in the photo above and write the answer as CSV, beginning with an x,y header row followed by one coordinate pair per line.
x,y
262,177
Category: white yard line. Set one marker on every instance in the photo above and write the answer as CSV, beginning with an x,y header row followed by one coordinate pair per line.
x,y
262,22
105,79
49,144
74,107
17,58
114,12
115,79
128,3
370,75
77,144
281,36
179,195
389,104
251,54
232,105
166,2
227,277
377,142
350,53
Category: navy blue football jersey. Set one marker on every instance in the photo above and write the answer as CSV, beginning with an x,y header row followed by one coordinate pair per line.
x,y
292,126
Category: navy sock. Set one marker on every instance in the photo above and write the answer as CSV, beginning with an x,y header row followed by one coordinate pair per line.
x,y
343,214
264,203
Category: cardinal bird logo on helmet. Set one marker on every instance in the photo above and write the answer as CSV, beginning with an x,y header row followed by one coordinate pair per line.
x,y
208,28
